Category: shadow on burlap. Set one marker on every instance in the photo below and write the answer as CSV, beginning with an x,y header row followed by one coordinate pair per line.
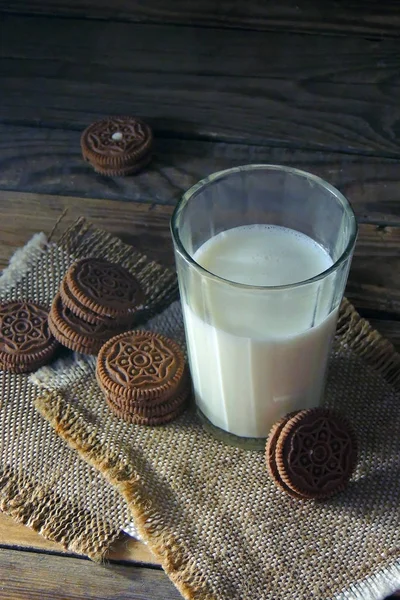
x,y
209,512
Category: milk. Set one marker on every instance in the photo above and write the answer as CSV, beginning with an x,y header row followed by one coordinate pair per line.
x,y
255,354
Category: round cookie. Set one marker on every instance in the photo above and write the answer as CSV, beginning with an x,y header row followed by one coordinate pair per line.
x,y
87,315
76,307
135,419
77,334
142,403
123,171
25,338
270,450
140,366
117,145
149,409
102,288
316,453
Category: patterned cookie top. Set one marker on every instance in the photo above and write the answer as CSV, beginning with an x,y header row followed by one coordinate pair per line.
x,y
140,365
316,453
24,333
119,138
104,288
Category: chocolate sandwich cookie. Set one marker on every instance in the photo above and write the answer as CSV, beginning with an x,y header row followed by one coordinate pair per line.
x,y
117,145
26,342
270,457
141,366
149,409
96,290
135,419
75,307
142,403
77,334
316,453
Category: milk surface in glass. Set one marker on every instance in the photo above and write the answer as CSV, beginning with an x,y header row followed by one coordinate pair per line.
x,y
254,359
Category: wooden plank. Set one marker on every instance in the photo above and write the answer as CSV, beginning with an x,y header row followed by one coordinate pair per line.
x,y
27,575
190,50
48,161
376,262
35,576
322,107
389,329
362,16
374,281
16,535
146,226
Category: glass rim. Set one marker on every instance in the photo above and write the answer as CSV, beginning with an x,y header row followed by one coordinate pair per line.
x,y
219,175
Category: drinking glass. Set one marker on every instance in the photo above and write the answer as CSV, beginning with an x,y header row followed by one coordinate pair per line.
x,y
257,352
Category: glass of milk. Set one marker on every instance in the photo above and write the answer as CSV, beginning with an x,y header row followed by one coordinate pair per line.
x,y
262,255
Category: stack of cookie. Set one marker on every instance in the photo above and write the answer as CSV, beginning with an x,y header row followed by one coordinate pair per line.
x,y
311,453
97,299
26,342
144,377
117,145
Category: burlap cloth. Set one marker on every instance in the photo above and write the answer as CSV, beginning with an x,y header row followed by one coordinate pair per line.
x,y
209,512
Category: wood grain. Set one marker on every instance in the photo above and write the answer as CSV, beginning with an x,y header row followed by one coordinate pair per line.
x,y
167,78
374,282
16,535
389,329
362,16
146,226
27,575
202,52
48,161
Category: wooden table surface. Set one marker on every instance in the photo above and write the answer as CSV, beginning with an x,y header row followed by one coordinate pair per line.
x,y
298,82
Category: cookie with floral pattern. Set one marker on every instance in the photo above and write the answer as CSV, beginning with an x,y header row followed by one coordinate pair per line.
x,y
316,453
26,342
97,290
141,365
117,145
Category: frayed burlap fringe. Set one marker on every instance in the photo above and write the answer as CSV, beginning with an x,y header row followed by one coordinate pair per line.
x,y
179,565
49,514
356,333
22,259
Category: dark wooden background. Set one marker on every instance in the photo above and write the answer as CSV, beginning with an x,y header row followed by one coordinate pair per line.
x,y
310,84
306,83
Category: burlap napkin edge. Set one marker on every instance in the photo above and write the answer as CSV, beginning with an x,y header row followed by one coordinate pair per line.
x,y
356,333
22,259
179,567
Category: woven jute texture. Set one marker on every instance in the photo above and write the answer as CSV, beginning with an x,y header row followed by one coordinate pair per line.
x,y
209,512
43,482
